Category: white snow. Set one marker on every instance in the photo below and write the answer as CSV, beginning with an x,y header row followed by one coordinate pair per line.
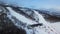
x,y
20,17
45,29
56,26
42,20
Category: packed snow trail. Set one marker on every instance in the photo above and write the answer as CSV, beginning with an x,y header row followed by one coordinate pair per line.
x,y
21,17
46,24
45,29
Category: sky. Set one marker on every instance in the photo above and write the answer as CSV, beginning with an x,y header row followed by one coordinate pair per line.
x,y
35,3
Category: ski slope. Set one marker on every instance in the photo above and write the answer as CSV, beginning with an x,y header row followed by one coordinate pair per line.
x,y
45,29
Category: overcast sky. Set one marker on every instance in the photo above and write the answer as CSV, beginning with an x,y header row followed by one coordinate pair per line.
x,y
35,3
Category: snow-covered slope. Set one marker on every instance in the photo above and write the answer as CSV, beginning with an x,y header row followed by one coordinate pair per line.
x,y
30,20
44,29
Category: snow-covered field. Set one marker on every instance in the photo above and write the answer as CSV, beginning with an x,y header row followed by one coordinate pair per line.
x,y
56,26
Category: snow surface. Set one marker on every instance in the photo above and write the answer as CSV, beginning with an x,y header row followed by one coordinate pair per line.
x,y
45,29
21,17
